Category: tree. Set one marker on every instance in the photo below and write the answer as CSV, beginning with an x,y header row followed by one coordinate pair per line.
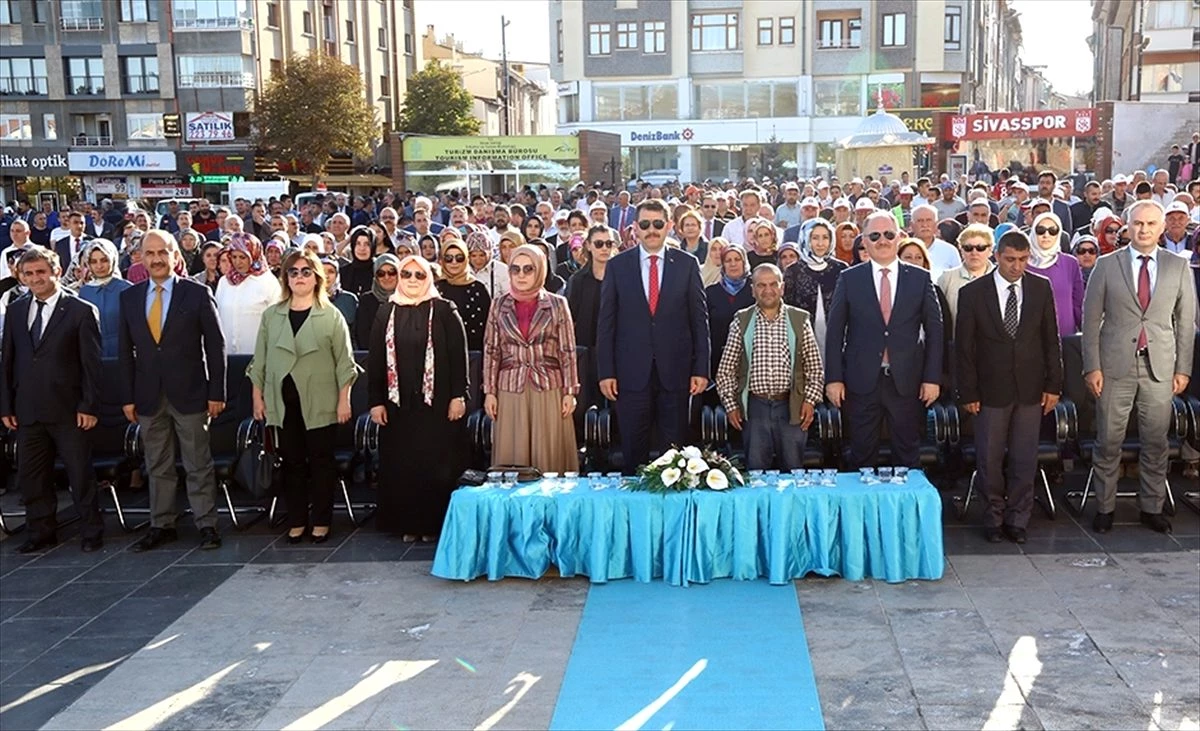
x,y
315,108
437,103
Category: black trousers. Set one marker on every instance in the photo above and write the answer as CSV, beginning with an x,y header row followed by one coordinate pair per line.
x,y
38,444
866,413
639,411
309,471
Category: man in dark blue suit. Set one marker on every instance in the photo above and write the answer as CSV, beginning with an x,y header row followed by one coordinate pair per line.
x,y
879,365
172,357
652,345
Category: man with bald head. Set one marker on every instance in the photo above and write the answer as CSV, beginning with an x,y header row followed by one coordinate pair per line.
x,y
884,348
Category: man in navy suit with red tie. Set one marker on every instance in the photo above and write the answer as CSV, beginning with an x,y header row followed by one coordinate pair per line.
x,y
652,346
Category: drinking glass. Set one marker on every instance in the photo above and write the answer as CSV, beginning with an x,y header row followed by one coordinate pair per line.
x,y
829,477
866,475
596,480
755,478
494,479
510,479
570,479
900,476
885,474
803,477
615,480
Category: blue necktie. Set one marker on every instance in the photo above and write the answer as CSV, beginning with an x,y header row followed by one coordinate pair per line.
x,y
37,324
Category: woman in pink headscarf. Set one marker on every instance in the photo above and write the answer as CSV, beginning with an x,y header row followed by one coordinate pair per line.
x,y
244,293
417,389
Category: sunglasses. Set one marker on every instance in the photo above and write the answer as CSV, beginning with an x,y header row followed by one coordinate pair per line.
x,y
875,235
658,224
411,274
1087,252
1046,231
525,269
300,272
1112,231
977,247
385,274
603,243
454,258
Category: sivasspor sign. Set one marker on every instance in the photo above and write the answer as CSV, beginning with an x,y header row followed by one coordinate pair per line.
x,y
999,126
207,126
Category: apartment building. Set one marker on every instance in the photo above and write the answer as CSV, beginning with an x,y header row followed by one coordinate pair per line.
x,y
704,86
149,98
1146,51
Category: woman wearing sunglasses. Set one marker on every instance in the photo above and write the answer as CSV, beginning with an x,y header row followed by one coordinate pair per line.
x,y
1106,228
459,286
976,244
583,288
1066,280
386,270
530,375
244,293
417,388
302,372
1086,250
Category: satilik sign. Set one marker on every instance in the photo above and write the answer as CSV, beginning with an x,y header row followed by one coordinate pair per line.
x,y
1034,125
209,126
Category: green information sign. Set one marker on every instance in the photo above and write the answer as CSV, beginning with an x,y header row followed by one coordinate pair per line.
x,y
216,179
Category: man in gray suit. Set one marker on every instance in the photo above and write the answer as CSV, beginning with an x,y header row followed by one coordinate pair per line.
x,y
1138,332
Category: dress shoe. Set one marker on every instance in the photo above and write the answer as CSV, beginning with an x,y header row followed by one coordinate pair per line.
x,y
92,544
209,539
155,538
408,538
1017,535
294,540
1102,523
320,537
33,545
429,539
993,535
1156,521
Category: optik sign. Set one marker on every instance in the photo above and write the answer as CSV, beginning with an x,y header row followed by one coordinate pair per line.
x,y
208,126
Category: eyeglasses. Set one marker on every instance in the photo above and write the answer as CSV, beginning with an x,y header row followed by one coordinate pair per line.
x,y
874,235
525,269
976,247
411,274
603,243
300,272
385,274
712,205
658,224
1087,252
1112,231
454,258
1046,231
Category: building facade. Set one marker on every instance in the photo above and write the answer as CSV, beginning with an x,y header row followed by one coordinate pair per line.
x,y
1146,51
149,98
718,88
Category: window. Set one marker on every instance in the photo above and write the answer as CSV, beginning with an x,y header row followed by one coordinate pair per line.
x,y
308,24
626,36
41,11
144,126
382,40
82,14
23,76
85,76
1168,14
213,71
654,35
838,30
15,127
715,32
276,67
385,87
408,44
830,34
837,97
599,39
854,39
141,74
49,127
1159,78
211,14
328,24
558,40
742,100
893,30
766,31
635,101
350,32
10,12
272,15
139,11
787,31
952,38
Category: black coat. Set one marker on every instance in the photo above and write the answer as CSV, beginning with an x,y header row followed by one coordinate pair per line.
x,y
449,356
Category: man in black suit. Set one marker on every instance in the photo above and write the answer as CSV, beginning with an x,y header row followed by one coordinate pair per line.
x,y
878,364
68,247
1009,374
50,395
173,359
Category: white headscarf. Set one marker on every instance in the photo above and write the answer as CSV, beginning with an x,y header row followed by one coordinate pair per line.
x,y
1044,258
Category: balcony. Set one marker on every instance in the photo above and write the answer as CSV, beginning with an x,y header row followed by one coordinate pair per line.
x,y
91,141
81,23
217,80
23,86
236,23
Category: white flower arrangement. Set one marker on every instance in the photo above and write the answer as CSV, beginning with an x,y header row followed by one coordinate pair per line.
x,y
689,468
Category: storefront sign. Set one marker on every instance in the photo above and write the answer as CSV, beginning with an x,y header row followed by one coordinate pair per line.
x,y
111,186
165,188
33,162
918,120
208,126
204,163
215,179
131,160
478,149
999,126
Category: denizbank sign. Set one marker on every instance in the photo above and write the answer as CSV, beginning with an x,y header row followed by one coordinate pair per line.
x,y
122,160
672,135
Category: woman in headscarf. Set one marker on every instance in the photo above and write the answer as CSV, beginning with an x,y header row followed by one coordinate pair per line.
x,y
102,286
765,243
787,255
429,248
190,251
810,282
459,286
1086,250
845,234
345,302
710,270
1066,279
1106,228
731,293
574,262
530,375
507,243
273,250
135,272
486,269
533,228
385,277
553,283
358,275
244,293
417,389
210,257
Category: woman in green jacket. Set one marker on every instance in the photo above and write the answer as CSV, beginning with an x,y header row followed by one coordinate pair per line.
x,y
302,372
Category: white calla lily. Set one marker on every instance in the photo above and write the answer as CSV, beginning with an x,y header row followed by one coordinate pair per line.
x,y
692,453
696,466
716,480
670,476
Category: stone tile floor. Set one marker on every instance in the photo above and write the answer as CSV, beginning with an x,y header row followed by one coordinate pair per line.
x,y
1072,630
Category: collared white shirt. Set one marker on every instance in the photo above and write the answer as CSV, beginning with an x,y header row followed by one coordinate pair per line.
x,y
1002,285
1164,199
47,311
1135,263
645,262
735,231
1177,247
893,274
943,256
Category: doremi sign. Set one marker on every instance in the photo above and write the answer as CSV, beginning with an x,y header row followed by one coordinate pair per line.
x,y
564,148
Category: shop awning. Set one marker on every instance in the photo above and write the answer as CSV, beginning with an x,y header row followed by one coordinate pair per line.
x,y
348,181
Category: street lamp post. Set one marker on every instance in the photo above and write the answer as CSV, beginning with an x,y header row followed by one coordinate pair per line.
x,y
504,61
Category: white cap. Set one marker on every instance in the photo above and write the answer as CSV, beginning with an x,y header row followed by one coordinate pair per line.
x,y
980,202
1178,207
906,190
1118,178
810,201
597,206
864,204
842,203
822,184
857,181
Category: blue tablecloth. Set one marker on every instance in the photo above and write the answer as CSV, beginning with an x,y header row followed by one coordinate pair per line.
x,y
890,532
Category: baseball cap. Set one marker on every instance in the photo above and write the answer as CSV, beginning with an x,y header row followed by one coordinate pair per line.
x,y
947,185
561,214
1178,207
791,186
842,203
856,181
1119,179
980,202
597,206
864,204
1059,193
1092,184
1013,179
1040,202
822,184
906,190
1020,186
810,201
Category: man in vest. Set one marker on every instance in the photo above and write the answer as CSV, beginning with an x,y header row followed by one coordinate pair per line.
x,y
771,377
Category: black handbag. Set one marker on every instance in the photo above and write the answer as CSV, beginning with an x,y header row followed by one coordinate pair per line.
x,y
259,469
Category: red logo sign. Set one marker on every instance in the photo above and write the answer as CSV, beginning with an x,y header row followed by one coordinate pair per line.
x,y
1048,123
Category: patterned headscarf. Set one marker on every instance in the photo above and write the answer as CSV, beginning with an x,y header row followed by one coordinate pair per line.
x,y
249,245
380,293
109,249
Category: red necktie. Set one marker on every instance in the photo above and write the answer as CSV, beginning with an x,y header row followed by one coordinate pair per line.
x,y
653,283
1143,294
885,302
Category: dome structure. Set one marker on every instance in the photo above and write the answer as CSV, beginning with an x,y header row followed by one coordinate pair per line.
x,y
882,129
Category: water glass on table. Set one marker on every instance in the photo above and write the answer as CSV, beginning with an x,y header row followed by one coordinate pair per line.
x,y
800,478
900,476
829,477
885,474
510,480
615,479
866,475
494,479
596,480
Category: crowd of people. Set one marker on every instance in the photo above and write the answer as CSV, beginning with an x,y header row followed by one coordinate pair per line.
x,y
879,297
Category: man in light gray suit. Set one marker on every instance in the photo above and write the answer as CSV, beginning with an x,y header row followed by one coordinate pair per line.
x,y
1138,332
